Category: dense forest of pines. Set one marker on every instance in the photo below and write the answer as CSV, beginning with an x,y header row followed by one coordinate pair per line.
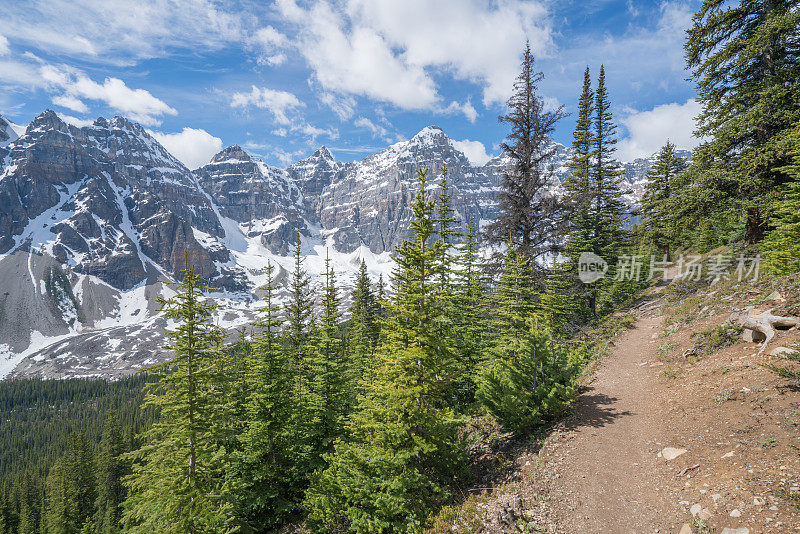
x,y
351,419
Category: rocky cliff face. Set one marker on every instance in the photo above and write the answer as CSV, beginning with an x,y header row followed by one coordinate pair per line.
x,y
94,219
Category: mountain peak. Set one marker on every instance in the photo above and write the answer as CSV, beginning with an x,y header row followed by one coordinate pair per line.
x,y
233,152
430,136
324,153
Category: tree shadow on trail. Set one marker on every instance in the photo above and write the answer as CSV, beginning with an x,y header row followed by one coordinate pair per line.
x,y
594,410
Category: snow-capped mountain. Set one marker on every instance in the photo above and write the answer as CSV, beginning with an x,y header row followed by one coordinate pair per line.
x,y
95,221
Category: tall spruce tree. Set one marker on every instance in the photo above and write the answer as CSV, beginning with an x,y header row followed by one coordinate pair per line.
x,y
363,331
264,475
111,468
581,227
606,175
745,59
298,309
528,214
178,479
328,393
656,211
594,196
782,246
402,455
70,489
446,227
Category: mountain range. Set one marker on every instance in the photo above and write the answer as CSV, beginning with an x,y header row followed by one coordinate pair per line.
x,y
96,221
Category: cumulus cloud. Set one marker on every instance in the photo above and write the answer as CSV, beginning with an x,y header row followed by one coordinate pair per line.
x,y
649,130
279,103
474,150
193,147
466,40
385,49
137,104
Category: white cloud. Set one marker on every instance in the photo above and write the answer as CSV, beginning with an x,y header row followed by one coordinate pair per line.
x,y
376,129
474,150
279,103
649,130
70,102
354,59
479,41
120,31
193,147
75,121
137,104
4,46
464,108
344,107
269,42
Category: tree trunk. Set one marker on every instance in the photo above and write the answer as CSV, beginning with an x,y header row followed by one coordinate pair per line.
x,y
754,228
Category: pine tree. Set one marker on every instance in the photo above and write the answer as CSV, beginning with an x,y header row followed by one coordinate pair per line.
x,y
70,490
402,455
656,213
607,177
264,475
527,381
469,323
581,222
328,394
178,479
298,308
745,61
111,468
528,214
446,227
516,296
30,505
596,208
782,246
363,332
557,304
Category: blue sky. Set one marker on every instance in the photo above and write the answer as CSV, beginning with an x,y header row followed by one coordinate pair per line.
x,y
282,78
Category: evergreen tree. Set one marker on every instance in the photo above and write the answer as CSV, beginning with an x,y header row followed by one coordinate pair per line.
x,y
111,468
469,315
745,59
581,221
402,455
606,176
527,381
298,309
328,394
177,484
528,214
363,332
264,475
557,303
30,502
782,246
596,208
446,227
656,213
70,490
516,296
